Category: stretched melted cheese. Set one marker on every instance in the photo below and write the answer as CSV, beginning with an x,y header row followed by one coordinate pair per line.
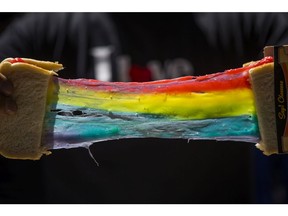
x,y
219,106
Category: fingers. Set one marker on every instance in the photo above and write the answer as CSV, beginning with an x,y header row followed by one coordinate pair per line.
x,y
10,106
6,86
7,105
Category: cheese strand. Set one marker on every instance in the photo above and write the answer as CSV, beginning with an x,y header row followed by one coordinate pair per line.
x,y
218,106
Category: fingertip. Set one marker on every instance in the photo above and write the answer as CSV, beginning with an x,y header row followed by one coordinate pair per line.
x,y
7,87
11,106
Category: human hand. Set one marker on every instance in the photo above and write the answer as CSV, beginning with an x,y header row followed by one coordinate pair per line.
x,y
7,104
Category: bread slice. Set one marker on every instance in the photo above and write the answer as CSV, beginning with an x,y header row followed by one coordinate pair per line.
x,y
262,80
31,80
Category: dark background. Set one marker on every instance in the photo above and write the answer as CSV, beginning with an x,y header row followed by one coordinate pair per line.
x,y
150,170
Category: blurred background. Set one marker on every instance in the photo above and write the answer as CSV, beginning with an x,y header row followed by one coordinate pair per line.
x,y
145,47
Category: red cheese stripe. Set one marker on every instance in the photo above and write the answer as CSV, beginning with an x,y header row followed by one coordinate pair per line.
x,y
15,60
229,79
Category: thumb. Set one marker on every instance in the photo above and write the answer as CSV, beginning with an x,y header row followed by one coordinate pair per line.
x,y
6,86
7,105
